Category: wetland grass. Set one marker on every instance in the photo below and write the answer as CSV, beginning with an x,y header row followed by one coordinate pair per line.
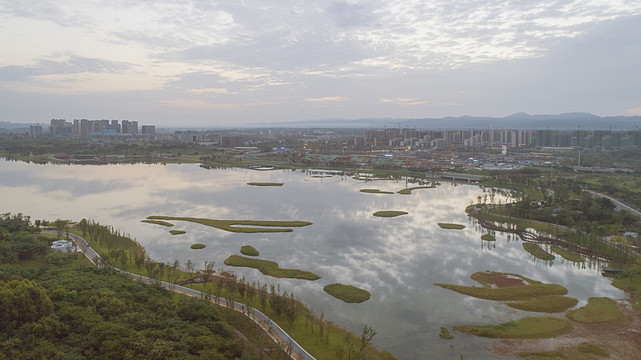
x,y
450,226
375,191
264,184
197,246
445,334
598,310
567,254
408,191
269,268
251,226
157,222
347,293
508,293
248,250
177,232
538,251
390,213
546,303
526,328
488,237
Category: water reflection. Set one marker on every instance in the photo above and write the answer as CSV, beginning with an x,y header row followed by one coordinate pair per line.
x,y
397,259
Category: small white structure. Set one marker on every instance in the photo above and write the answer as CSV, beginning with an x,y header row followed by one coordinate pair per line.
x,y
62,245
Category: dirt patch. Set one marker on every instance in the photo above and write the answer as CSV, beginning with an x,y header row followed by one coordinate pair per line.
x,y
623,340
500,279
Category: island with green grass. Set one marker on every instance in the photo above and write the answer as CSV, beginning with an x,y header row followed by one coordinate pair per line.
x,y
197,246
408,191
264,184
451,226
488,237
538,252
157,222
526,328
375,191
347,293
389,213
239,226
248,250
177,232
269,268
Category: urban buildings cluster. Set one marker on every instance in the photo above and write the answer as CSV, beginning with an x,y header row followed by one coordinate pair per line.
x,y
84,128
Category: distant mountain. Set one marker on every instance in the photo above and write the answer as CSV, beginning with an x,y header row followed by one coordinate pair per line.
x,y
566,121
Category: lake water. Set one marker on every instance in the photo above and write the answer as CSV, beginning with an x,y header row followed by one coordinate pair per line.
x,y
397,259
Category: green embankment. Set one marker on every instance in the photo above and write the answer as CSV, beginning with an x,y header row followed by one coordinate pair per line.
x,y
450,226
264,184
390,213
526,328
598,310
270,268
248,250
253,226
546,303
538,252
157,222
375,191
567,254
347,293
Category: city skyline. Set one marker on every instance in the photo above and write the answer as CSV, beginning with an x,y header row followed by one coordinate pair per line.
x,y
209,64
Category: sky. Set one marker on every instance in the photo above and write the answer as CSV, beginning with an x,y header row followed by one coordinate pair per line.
x,y
231,63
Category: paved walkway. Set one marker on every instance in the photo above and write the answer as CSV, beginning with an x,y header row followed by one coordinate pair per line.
x,y
619,205
293,349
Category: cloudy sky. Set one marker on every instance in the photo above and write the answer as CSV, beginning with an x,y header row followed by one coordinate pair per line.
x,y
221,63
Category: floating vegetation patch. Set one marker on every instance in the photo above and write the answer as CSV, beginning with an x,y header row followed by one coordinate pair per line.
x,y
375,191
598,310
546,303
389,213
248,250
445,334
408,191
264,184
501,279
176,232
157,222
251,226
347,293
451,226
270,268
488,237
538,251
567,254
526,328
197,246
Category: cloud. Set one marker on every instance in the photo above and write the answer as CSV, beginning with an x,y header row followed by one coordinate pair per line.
x,y
634,111
401,101
327,98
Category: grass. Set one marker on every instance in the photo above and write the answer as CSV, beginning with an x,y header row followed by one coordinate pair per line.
x,y
598,310
197,246
375,191
546,303
408,191
255,226
488,237
508,293
270,268
157,222
264,184
347,293
630,282
445,334
451,226
390,213
581,351
176,232
567,254
249,250
526,328
538,252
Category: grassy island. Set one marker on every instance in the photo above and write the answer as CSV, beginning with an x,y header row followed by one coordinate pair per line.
x,y
547,304
158,222
177,232
526,328
598,310
375,191
390,213
347,293
488,237
248,250
408,191
445,334
264,184
251,226
567,254
197,246
538,252
451,226
270,268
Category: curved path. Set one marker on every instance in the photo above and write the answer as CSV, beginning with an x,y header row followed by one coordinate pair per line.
x,y
619,204
293,349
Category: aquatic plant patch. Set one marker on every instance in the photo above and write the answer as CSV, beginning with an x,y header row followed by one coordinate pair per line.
x,y
250,226
538,251
248,250
347,293
157,222
270,268
390,213
450,226
546,303
526,328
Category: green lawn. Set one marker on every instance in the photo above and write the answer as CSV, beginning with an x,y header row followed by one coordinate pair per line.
x,y
375,191
567,254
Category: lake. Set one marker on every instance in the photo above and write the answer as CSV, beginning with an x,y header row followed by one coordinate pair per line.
x,y
396,259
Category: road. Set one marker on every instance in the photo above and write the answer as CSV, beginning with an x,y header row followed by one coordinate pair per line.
x,y
279,335
619,205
